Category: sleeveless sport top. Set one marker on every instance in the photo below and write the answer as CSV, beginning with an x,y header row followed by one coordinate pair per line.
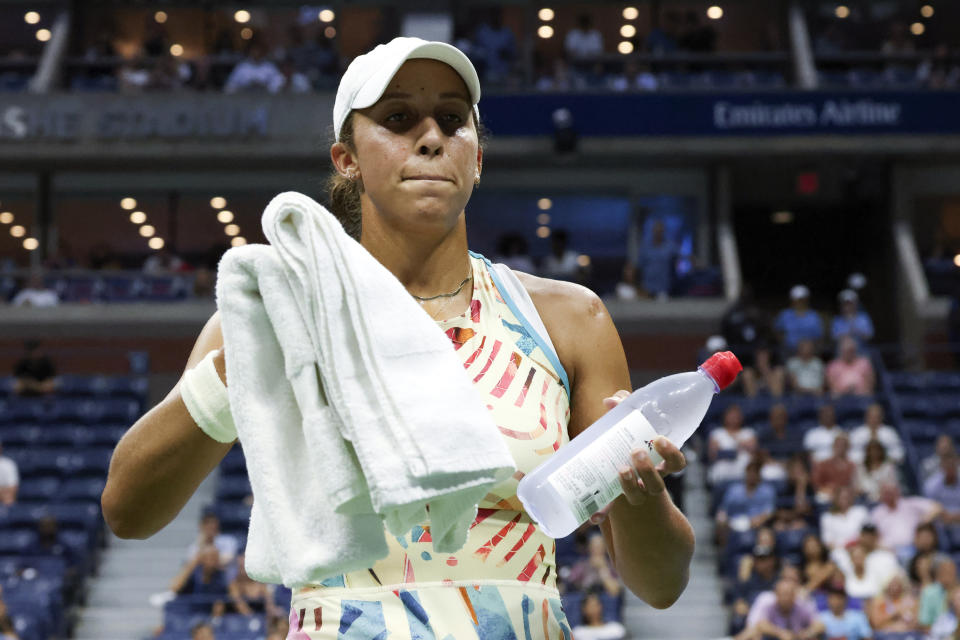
x,y
502,583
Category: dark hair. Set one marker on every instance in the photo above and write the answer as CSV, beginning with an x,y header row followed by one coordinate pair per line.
x,y
591,593
345,193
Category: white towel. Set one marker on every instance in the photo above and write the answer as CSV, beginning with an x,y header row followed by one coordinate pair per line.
x,y
352,407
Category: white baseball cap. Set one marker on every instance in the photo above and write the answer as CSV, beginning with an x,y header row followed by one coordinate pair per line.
x,y
798,292
848,295
368,75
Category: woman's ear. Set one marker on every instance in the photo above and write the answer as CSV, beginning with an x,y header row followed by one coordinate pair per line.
x,y
479,161
344,161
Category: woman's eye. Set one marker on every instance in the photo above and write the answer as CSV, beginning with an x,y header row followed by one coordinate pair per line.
x,y
396,117
453,118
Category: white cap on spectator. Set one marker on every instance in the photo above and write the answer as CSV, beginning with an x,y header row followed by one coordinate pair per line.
x,y
848,295
799,292
857,281
368,75
716,343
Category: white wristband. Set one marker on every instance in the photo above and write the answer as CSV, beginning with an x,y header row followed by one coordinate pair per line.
x,y
207,401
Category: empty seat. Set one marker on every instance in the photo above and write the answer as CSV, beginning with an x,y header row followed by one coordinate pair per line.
x,y
81,490
125,410
16,541
233,488
233,624
234,462
922,430
91,462
136,387
38,489
233,516
790,541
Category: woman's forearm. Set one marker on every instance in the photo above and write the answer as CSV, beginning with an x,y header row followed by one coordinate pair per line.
x,y
156,467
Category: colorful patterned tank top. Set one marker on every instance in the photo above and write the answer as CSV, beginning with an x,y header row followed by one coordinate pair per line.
x,y
502,583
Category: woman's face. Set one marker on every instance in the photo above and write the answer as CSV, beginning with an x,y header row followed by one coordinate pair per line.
x,y
811,547
416,150
592,609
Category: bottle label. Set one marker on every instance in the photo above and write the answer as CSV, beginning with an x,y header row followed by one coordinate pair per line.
x,y
591,479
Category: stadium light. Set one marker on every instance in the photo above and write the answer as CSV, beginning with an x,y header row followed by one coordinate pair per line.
x,y
545,14
583,260
842,11
625,47
156,243
231,229
630,13
330,32
147,230
628,31
926,11
246,33
715,12
31,17
543,232
30,244
238,241
545,31
544,204
218,202
128,204
326,15
160,16
6,217
781,217
43,35
242,16
138,217
956,259
176,50
17,231
225,216
917,28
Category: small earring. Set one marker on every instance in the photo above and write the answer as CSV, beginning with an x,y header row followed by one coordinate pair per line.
x,y
476,182
351,175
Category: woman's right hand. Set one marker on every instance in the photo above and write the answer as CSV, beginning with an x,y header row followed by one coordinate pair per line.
x,y
219,361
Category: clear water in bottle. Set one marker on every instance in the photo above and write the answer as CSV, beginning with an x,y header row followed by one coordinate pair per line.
x,y
583,476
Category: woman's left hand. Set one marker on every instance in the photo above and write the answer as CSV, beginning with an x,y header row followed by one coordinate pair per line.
x,y
643,479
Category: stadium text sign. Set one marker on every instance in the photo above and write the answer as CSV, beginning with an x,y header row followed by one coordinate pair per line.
x,y
829,113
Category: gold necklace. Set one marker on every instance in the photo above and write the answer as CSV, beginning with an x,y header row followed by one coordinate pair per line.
x,y
444,295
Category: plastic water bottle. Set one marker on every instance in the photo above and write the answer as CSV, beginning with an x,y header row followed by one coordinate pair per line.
x,y
583,476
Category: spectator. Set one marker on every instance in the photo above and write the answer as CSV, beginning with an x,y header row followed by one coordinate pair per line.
x,y
204,283
850,372
760,576
864,565
584,41
926,543
513,251
730,447
777,437
805,370
945,627
163,261
48,541
662,39
210,534
897,519
875,471
656,262
819,440
626,288
697,36
766,374
9,479
496,46
894,609
290,80
561,262
747,330
931,464
593,625
596,570
248,596
840,621
944,487
746,504
798,486
816,567
202,576
852,321
786,616
933,598
897,42
635,77
766,537
799,322
255,72
841,525
35,293
836,471
201,631
873,428
34,373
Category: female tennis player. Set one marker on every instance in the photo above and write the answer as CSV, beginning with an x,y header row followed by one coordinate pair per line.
x,y
406,159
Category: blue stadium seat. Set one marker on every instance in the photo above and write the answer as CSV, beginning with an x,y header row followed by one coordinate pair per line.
x,y
282,597
38,489
50,567
789,541
122,288
74,410
233,624
166,288
125,410
234,462
571,606
233,516
908,381
91,462
82,490
852,407
922,430
741,541
235,488
803,407
136,387
944,380
175,621
916,407
16,541
612,607
566,550
22,435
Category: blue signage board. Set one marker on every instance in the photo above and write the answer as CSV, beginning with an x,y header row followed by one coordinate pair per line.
x,y
701,114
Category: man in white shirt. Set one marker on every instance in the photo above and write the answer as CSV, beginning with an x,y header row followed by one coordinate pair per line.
x,y
819,440
255,73
874,429
210,534
36,294
878,564
584,42
9,479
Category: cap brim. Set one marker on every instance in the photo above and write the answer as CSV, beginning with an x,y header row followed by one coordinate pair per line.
x,y
371,91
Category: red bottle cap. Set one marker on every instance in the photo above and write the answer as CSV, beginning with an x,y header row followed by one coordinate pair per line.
x,y
723,367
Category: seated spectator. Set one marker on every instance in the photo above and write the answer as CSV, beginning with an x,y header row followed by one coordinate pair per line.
x,y
873,428
836,471
663,38
761,576
561,263
816,568
746,504
290,80
255,72
635,77
839,621
799,322
777,437
805,370
864,565
35,293
656,262
593,625
799,487
766,374
584,41
842,523
931,464
210,534
944,487
851,321
9,479
626,288
850,372
933,597
201,631
819,440
766,537
202,575
875,471
496,47
513,251
34,373
898,517
247,596
895,608
163,261
785,616
945,627
926,544
48,541
596,570
730,447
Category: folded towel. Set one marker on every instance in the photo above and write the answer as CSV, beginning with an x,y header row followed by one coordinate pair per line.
x,y
349,400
